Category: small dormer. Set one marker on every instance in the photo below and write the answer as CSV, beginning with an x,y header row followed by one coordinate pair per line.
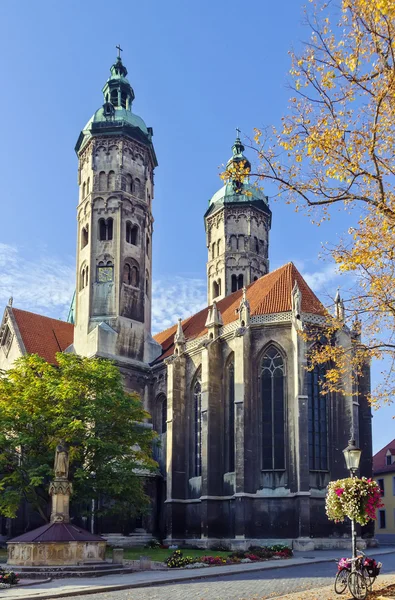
x,y
389,457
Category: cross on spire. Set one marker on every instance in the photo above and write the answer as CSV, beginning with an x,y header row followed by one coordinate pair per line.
x,y
238,132
119,50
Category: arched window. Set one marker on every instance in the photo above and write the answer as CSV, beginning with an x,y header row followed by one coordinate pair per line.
x,y
131,233
109,225
102,181
147,246
114,97
86,276
137,187
230,416
218,247
215,289
233,242
197,433
240,244
256,245
127,273
84,189
234,283
111,181
84,236
129,183
318,420
273,409
82,279
219,287
135,277
163,411
240,281
146,282
123,99
102,230
88,185
213,250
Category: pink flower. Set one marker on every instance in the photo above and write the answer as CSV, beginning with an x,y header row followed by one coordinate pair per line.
x,y
339,492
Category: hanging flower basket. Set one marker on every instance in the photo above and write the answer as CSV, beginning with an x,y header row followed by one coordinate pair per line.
x,y
354,498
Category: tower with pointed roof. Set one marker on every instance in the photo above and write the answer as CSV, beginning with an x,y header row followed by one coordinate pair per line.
x,y
237,226
116,162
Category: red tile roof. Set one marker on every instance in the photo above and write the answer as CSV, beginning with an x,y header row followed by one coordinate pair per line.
x,y
269,294
380,460
42,335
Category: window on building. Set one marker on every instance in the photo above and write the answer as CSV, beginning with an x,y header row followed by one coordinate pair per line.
x,y
230,438
147,283
111,180
388,459
240,243
381,486
84,237
6,339
382,524
213,250
233,242
102,230
240,282
234,283
256,245
219,247
318,420
123,99
114,97
215,289
132,233
137,187
135,277
109,225
88,186
255,278
273,409
84,189
147,246
163,414
102,181
127,274
129,183
197,408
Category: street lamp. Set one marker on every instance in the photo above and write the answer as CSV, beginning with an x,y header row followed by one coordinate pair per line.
x,y
352,455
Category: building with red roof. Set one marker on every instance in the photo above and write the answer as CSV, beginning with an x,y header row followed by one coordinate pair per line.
x,y
248,441
384,474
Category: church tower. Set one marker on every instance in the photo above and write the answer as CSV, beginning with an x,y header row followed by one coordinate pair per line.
x,y
237,226
116,162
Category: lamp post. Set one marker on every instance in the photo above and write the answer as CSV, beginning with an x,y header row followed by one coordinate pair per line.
x,y
352,455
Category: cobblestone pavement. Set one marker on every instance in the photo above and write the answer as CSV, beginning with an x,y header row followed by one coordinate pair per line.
x,y
306,582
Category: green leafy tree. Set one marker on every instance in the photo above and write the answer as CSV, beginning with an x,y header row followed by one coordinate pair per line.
x,y
83,402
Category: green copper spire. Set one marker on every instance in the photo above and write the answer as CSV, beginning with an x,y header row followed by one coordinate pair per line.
x,y
117,91
237,153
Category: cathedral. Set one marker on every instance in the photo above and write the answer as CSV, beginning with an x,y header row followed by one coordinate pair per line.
x,y
248,442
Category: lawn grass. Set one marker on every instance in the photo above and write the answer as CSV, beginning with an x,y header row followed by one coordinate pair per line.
x,y
160,554
3,554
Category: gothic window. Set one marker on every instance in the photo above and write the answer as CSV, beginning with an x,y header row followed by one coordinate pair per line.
x,y
234,283
111,180
102,181
215,289
240,281
197,433
88,185
114,97
129,183
105,272
127,272
109,225
146,282
123,99
163,408
84,237
218,247
84,189
135,277
230,416
318,420
6,340
131,233
273,410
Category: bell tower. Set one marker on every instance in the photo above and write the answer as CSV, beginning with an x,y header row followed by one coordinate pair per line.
x,y
237,225
116,162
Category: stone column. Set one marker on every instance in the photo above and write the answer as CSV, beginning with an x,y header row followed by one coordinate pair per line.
x,y
176,452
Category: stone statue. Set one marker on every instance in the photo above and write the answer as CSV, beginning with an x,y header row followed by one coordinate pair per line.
x,y
61,465
296,301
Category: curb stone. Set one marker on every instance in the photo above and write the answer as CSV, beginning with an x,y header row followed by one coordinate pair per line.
x,y
192,575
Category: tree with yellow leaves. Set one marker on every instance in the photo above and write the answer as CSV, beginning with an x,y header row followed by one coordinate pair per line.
x,y
336,147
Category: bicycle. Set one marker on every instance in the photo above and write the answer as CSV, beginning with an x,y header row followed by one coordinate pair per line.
x,y
359,579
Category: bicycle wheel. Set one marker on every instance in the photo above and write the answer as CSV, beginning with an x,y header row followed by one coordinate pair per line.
x,y
357,585
370,579
341,581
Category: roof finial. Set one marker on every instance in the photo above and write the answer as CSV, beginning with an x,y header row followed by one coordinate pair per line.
x,y
10,301
238,132
119,50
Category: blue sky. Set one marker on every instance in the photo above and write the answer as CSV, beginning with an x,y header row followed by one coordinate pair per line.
x,y
199,70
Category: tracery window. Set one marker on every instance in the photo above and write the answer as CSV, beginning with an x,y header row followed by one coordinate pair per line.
x,y
318,420
197,433
273,409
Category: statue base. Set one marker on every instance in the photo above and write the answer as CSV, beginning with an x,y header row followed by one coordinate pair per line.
x,y
56,544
